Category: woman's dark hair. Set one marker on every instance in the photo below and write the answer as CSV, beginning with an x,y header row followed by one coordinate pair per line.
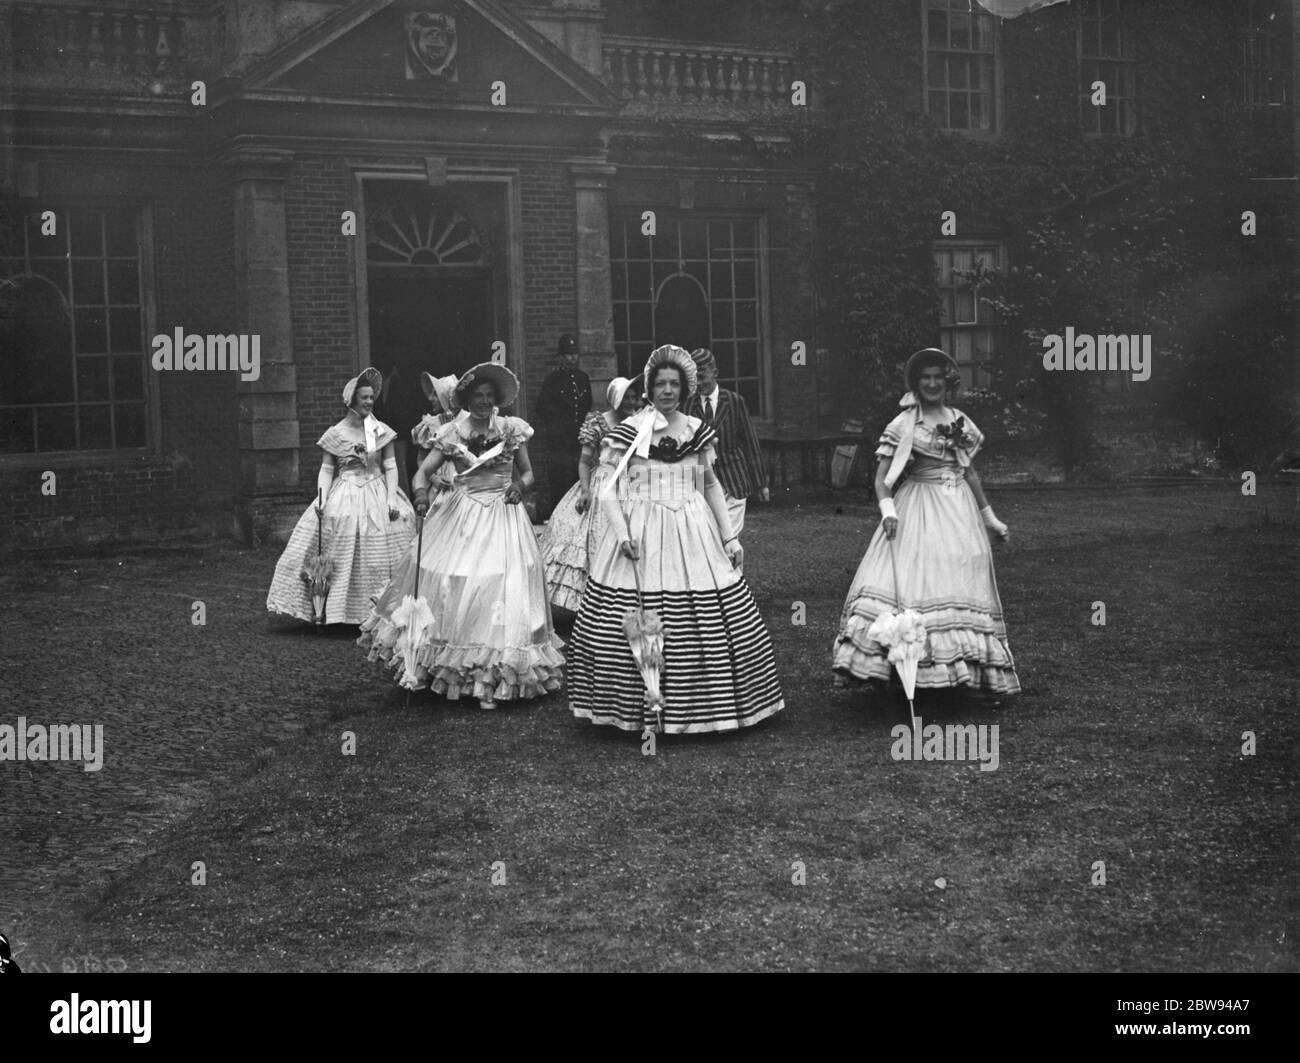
x,y
950,375
681,376
463,393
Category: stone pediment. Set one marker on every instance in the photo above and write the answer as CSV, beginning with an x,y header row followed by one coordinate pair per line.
x,y
445,53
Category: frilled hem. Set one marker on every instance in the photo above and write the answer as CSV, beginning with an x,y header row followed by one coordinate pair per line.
x,y
512,673
731,724
565,585
963,650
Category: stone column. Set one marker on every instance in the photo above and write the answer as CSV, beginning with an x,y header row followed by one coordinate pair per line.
x,y
270,495
595,302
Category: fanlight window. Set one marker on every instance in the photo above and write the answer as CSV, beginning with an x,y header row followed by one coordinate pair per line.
x,y
415,234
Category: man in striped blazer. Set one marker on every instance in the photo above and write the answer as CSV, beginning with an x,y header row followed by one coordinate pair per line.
x,y
740,467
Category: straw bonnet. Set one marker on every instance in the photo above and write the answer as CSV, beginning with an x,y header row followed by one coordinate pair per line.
x,y
929,356
669,354
442,389
617,391
370,377
507,383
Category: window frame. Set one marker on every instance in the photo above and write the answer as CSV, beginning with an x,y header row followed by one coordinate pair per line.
x,y
995,100
945,329
631,219
102,457
1129,62
1264,64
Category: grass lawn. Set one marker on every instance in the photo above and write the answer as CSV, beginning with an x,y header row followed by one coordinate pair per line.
x,y
1125,747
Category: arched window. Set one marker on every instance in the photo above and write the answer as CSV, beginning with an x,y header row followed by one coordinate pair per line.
x,y
71,336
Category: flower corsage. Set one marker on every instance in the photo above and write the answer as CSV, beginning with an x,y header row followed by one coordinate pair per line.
x,y
954,436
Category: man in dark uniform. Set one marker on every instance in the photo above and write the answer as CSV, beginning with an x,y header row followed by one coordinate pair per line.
x,y
562,406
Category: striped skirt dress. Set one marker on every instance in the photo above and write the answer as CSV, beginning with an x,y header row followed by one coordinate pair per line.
x,y
718,672
358,537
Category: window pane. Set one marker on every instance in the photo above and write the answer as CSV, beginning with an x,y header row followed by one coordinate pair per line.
x,y
92,333
638,281
638,246
958,119
724,351
56,428
959,30
54,270
87,236
662,272
666,243
618,281
935,72
937,27
700,272
92,380
719,239
88,282
747,318
120,229
720,280
957,69
965,306
96,428
695,240
16,432
744,236
939,107
124,282
125,329
983,33
747,359
620,324
130,425
746,281
724,325
640,321
128,377
978,119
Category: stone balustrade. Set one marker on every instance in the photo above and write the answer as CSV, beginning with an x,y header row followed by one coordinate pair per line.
x,y
99,43
659,76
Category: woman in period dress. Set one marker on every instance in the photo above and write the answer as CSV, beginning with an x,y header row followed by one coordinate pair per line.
x,y
934,520
366,522
443,408
578,522
480,571
671,530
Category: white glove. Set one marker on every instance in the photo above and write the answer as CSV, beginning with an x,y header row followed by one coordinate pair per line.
x,y
992,523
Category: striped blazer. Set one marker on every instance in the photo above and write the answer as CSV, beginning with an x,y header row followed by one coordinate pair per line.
x,y
740,467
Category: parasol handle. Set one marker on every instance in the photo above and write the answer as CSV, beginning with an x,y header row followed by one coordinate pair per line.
x,y
893,561
419,551
320,502
636,575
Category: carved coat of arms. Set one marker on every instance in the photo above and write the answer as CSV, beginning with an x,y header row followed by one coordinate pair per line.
x,y
431,45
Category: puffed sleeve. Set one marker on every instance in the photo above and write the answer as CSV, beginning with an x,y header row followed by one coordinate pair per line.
x,y
422,434
447,439
593,430
520,430
892,436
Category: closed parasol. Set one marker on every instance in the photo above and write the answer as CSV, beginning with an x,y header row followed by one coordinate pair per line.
x,y
318,570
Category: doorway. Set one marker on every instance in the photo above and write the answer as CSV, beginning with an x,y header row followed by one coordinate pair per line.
x,y
424,319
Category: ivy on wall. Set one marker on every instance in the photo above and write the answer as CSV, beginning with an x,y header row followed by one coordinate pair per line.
x,y
1104,234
